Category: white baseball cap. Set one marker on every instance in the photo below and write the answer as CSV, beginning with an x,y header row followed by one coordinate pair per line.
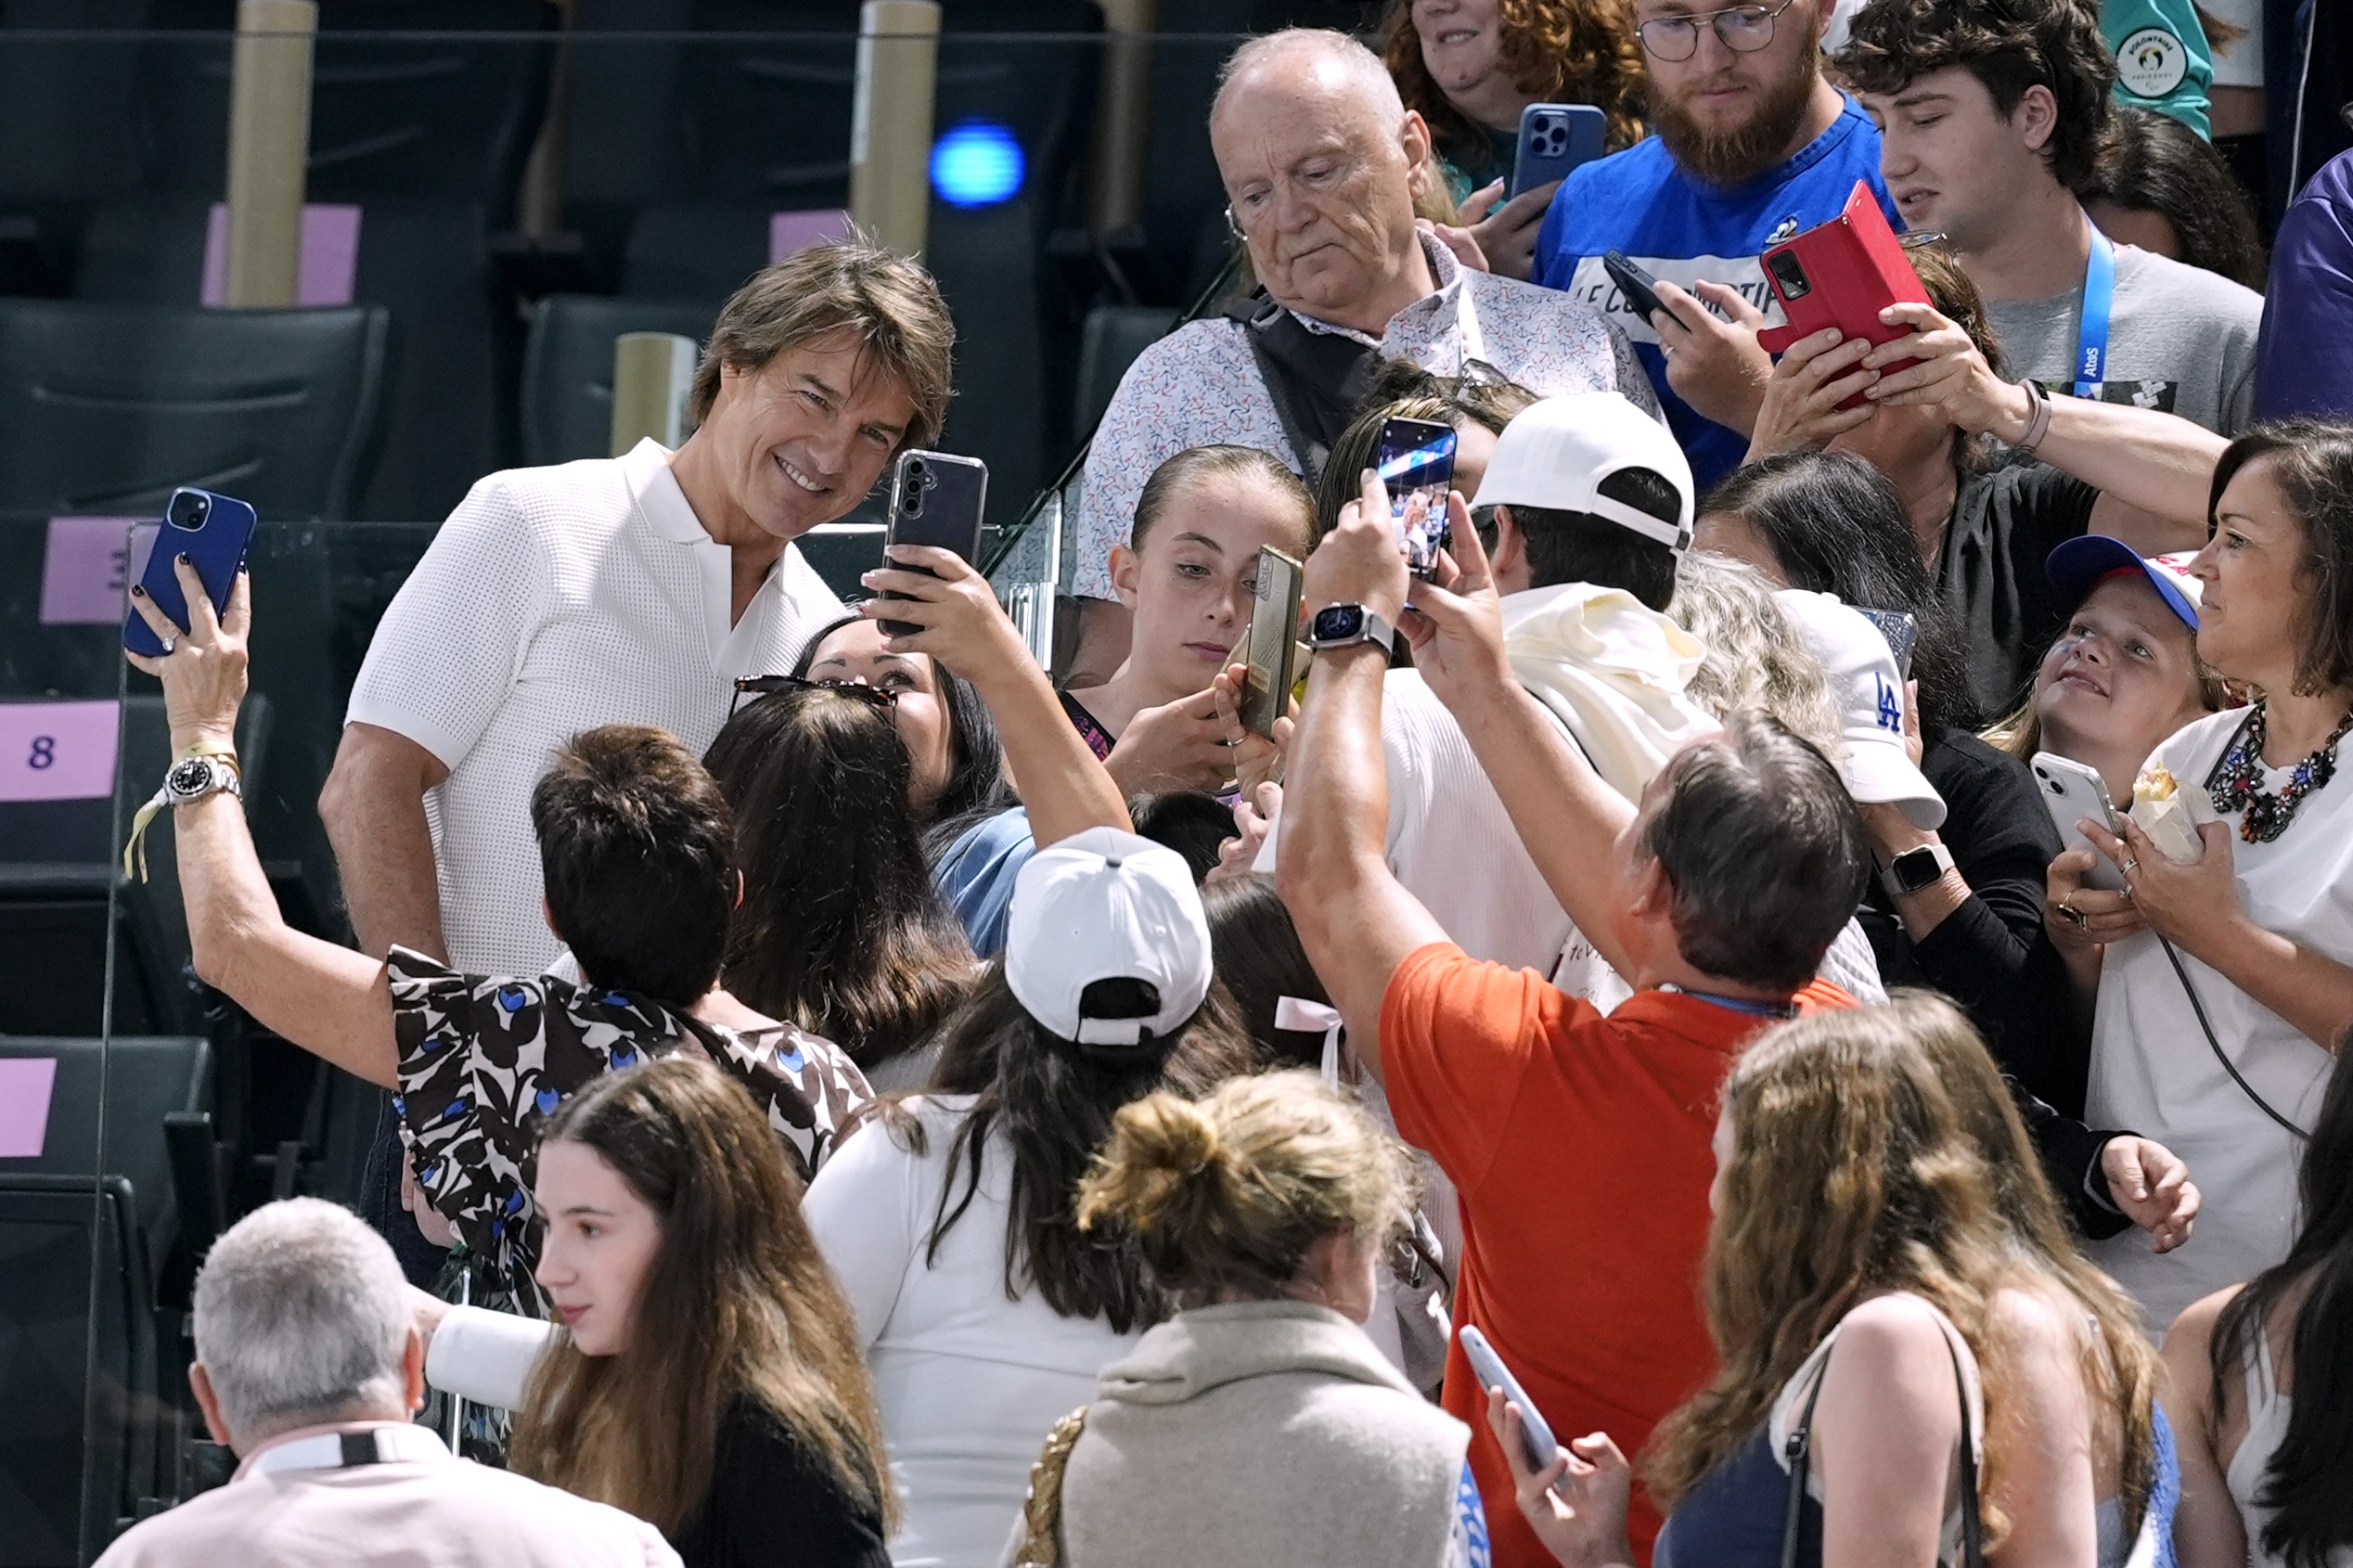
x,y
1104,904
1556,453
1869,694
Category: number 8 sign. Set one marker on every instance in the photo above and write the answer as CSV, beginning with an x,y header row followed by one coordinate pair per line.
x,y
58,750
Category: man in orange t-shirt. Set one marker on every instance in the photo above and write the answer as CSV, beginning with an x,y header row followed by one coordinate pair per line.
x,y
1578,1142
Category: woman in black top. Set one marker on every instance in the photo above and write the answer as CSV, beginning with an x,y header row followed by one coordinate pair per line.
x,y
1940,429
709,1379
1829,522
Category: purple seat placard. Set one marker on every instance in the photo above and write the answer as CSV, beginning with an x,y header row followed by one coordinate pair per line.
x,y
25,1086
58,750
789,232
328,260
85,571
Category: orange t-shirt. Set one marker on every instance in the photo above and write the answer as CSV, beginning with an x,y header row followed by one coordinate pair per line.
x,y
1579,1143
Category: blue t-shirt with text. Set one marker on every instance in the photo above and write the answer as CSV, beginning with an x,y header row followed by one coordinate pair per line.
x,y
1682,229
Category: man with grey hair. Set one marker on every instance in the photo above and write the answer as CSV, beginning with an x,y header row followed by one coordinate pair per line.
x,y
1322,164
308,1366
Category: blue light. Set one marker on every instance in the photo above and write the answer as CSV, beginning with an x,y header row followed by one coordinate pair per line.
x,y
976,164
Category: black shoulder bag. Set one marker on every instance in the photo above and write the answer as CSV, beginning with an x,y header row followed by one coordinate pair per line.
x,y
1315,379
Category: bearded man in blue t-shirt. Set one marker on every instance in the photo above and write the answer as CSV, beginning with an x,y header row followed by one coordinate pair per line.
x,y
1752,145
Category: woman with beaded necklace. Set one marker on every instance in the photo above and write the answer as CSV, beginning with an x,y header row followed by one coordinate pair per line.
x,y
2224,981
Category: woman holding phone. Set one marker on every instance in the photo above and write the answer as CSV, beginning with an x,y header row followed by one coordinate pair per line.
x,y
2225,982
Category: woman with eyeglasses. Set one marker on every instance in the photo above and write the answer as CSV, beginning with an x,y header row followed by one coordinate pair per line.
x,y
1983,527
958,761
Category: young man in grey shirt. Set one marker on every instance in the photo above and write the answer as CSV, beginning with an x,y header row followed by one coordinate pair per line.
x,y
1990,114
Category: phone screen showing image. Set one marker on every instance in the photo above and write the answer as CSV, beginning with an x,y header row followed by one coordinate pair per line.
x,y
1415,461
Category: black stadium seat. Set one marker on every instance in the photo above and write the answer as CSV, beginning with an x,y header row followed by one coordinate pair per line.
x,y
568,367
105,410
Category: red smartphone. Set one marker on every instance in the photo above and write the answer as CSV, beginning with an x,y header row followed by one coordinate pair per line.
x,y
1843,274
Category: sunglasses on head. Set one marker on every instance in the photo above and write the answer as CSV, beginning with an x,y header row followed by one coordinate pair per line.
x,y
874,697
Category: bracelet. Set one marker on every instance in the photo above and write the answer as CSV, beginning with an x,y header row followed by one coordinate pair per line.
x,y
2038,416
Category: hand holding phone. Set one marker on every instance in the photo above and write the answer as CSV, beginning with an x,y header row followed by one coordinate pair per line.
x,y
1843,274
1536,1435
936,499
1639,287
2073,792
213,532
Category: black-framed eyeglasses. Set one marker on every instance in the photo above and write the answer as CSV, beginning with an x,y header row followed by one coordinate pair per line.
x,y
1744,30
878,698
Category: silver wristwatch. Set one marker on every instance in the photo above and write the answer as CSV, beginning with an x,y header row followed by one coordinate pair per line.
x,y
192,779
1339,625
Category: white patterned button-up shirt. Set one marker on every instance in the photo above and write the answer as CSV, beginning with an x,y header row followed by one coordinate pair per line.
x,y
1201,384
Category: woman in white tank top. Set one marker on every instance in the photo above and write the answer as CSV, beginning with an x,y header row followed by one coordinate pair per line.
x,y
2262,1392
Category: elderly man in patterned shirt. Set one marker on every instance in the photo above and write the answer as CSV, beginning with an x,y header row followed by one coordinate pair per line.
x,y
1322,164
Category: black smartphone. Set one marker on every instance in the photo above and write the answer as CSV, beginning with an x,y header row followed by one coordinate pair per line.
x,y
213,532
936,499
1415,461
1274,639
1900,630
1639,287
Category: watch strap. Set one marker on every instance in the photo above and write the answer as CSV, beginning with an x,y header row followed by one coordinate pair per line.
x,y
227,778
1935,856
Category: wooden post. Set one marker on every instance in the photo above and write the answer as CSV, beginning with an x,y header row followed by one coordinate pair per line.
x,y
652,374
1122,116
891,120
269,142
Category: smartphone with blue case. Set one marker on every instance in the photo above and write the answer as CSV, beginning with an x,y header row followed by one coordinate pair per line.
x,y
213,532
1555,138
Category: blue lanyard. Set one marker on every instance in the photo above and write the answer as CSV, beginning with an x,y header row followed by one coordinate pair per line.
x,y
1749,1005
2099,298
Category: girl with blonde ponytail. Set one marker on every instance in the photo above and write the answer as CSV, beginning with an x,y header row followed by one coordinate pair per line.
x,y
1259,1424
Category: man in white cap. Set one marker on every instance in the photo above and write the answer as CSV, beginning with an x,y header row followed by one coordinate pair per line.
x,y
1587,505
1106,944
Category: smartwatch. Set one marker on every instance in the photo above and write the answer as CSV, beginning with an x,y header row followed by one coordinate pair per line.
x,y
1916,868
1341,626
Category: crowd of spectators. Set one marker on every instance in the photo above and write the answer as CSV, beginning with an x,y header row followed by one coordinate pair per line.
x,y
1822,931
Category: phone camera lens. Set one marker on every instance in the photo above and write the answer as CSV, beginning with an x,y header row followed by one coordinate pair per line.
x,y
188,511
919,473
1789,275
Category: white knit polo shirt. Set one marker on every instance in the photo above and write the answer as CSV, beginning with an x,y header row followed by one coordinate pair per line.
x,y
552,601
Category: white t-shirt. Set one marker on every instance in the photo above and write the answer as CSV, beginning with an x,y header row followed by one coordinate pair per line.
x,y
552,601
970,1382
2151,1070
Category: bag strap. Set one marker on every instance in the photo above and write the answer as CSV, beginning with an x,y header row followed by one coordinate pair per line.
x,y
1798,1452
1315,379
1042,1511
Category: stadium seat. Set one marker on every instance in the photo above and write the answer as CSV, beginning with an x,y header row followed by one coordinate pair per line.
x,y
67,130
106,409
568,367
1114,335
78,1462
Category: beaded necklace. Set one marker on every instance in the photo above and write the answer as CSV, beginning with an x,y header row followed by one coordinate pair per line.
x,y
2236,781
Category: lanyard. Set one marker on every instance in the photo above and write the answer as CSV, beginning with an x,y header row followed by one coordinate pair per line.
x,y
2099,298
1749,1005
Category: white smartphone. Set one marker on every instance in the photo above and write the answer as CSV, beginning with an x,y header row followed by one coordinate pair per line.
x,y
1535,1435
2071,792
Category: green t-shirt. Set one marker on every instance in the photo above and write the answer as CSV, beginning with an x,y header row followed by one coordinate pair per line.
x,y
2162,59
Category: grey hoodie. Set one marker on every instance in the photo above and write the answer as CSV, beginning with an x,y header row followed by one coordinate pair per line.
x,y
1261,1432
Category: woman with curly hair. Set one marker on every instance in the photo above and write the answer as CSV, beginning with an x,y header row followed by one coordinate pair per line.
x,y
1468,67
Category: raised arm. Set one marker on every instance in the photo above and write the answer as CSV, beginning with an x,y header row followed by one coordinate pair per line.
x,y
2152,470
1566,817
1356,921
327,999
1064,789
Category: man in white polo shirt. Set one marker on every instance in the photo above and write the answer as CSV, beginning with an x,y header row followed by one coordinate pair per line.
x,y
629,590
